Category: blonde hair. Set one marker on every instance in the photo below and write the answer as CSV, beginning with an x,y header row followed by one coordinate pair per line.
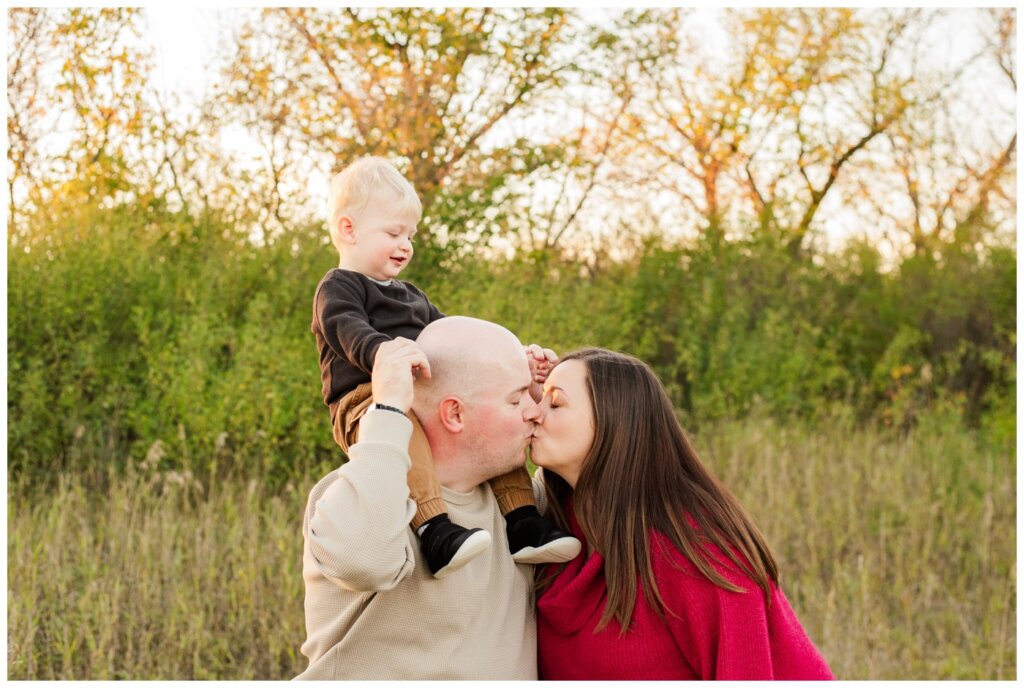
x,y
369,180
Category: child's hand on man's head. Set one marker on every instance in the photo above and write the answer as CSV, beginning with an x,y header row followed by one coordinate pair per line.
x,y
542,361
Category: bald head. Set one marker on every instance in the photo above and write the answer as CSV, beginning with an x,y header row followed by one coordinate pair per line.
x,y
476,410
464,354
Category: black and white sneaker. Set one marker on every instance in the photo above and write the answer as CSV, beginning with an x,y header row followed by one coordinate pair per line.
x,y
448,546
533,539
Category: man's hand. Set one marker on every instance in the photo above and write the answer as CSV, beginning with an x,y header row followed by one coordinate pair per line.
x,y
542,361
394,369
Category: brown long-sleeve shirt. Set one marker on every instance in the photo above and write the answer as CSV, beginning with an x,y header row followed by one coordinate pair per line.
x,y
352,316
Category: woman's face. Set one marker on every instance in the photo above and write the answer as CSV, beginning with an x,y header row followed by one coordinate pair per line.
x,y
565,427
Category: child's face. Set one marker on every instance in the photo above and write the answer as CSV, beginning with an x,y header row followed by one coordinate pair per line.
x,y
381,244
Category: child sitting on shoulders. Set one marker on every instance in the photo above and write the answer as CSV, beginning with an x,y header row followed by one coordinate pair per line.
x,y
373,212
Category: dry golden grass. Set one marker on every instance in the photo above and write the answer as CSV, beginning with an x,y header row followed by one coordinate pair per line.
x,y
151,579
898,556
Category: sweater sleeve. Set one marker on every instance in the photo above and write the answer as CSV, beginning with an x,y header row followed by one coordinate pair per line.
x,y
357,526
722,634
433,312
340,309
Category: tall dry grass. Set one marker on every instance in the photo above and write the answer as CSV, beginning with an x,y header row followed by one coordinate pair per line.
x,y
150,577
898,556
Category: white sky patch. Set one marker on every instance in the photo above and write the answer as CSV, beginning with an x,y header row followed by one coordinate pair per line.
x,y
185,41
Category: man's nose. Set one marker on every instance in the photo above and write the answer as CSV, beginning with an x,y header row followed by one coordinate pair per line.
x,y
532,411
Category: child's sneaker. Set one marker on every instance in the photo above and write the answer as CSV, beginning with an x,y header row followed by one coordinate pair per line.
x,y
533,539
448,546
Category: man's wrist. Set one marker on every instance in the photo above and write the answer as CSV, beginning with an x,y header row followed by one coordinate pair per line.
x,y
387,407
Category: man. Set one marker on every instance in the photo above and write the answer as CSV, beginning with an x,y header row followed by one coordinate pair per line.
x,y
373,610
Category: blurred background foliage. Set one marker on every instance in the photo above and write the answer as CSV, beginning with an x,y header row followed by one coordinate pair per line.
x,y
159,292
587,180
174,331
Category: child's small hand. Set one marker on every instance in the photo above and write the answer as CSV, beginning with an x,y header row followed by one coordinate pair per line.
x,y
542,361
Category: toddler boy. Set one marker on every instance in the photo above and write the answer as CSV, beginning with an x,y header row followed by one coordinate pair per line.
x,y
373,212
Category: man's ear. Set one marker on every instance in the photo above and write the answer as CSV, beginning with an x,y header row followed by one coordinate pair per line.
x,y
451,410
346,232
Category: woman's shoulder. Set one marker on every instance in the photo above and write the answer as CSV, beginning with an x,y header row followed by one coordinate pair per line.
x,y
669,560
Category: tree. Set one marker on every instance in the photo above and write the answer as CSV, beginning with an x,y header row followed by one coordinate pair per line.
x,y
444,93
797,110
961,187
78,75
25,106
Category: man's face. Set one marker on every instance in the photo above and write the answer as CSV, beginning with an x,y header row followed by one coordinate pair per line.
x,y
502,417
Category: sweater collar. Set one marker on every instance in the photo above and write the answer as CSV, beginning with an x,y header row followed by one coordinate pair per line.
x,y
577,596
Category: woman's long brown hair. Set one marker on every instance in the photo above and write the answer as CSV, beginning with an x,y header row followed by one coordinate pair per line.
x,y
641,474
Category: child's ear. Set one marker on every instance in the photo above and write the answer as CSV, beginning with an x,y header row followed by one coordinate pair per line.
x,y
346,232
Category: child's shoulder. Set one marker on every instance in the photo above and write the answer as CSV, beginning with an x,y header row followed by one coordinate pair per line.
x,y
409,286
349,282
341,284
341,275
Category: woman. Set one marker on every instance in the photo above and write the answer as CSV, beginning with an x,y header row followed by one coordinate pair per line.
x,y
675,581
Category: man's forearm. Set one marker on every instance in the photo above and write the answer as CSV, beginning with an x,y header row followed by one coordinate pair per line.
x,y
358,529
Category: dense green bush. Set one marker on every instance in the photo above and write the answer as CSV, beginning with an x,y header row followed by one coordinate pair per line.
x,y
135,331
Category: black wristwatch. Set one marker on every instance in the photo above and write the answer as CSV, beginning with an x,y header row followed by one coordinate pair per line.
x,y
385,407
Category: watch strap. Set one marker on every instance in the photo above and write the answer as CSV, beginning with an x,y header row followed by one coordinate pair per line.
x,y
385,407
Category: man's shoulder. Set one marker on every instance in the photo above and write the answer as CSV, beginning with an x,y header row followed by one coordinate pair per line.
x,y
321,486
316,493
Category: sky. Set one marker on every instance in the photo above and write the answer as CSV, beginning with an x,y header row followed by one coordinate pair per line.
x,y
185,41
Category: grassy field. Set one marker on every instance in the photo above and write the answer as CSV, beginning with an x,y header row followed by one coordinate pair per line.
x,y
897,554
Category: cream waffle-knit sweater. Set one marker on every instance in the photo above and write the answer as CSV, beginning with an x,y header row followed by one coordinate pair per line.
x,y
373,611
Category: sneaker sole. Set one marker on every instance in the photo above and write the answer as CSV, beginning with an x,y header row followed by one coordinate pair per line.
x,y
555,552
474,545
